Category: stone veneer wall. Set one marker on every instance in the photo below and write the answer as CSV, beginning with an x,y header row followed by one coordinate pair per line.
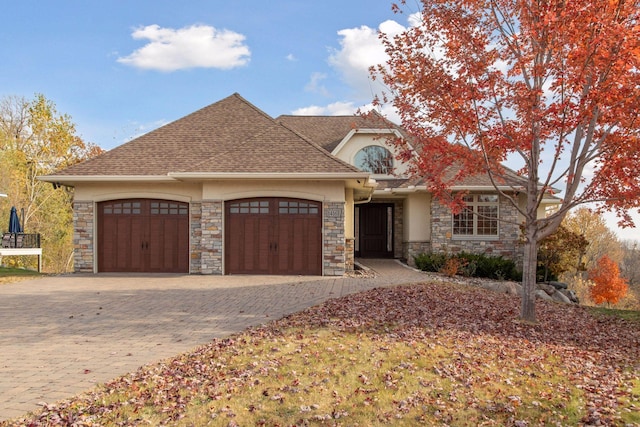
x,y
334,259
507,244
349,254
83,219
398,230
211,239
411,249
195,237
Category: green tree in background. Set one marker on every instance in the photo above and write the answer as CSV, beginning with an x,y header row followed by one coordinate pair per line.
x,y
560,252
602,241
37,140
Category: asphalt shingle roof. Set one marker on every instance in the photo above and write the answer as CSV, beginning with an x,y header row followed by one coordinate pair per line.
x,y
329,131
229,136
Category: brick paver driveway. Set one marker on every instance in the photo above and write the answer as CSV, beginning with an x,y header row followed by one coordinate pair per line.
x,y
62,335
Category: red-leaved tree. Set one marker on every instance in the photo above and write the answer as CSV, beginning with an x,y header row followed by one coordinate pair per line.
x,y
608,286
552,86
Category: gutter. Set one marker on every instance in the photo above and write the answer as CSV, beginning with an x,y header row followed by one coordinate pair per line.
x,y
267,175
183,176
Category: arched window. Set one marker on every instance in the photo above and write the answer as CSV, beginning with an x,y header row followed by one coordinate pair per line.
x,y
374,159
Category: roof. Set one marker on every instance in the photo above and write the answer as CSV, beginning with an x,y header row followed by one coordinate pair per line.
x,y
329,131
229,136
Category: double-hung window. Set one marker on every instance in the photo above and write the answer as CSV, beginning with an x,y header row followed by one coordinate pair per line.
x,y
479,218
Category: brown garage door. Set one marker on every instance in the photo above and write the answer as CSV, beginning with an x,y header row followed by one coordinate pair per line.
x,y
143,235
273,236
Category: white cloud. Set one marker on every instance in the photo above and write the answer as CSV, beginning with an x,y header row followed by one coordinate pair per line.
x,y
291,57
335,109
315,85
197,46
342,108
360,48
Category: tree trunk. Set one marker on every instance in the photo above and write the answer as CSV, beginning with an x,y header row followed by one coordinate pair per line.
x,y
528,309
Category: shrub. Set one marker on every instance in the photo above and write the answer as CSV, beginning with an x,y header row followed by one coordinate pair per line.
x,y
453,266
430,261
469,265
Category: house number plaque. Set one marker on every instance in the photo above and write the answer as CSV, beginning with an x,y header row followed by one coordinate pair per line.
x,y
334,213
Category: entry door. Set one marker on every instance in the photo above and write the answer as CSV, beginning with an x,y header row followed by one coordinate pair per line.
x,y
273,236
376,230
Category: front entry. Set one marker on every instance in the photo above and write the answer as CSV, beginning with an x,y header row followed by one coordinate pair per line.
x,y
143,236
273,236
375,230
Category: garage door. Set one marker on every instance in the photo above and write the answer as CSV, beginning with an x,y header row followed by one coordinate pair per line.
x,y
273,236
143,235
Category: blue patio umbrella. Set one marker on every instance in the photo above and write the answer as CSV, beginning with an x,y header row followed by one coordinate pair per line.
x,y
14,221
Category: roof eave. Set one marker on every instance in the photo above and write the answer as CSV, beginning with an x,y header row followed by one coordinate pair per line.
x,y
71,179
361,131
193,176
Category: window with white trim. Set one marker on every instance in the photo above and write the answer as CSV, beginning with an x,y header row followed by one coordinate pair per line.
x,y
479,217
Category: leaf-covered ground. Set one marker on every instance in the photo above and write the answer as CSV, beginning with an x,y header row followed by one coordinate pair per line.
x,y
431,354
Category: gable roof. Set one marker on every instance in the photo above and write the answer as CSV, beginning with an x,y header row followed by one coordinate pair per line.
x,y
230,136
329,131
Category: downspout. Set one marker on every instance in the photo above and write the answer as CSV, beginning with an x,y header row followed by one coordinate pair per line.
x,y
367,200
372,184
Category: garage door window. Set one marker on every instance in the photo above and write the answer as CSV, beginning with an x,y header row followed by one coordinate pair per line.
x,y
298,208
253,207
167,208
122,208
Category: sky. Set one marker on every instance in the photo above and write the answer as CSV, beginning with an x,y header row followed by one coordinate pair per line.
x,y
121,68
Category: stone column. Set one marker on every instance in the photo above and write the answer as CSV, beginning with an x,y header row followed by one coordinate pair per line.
x,y
195,238
211,260
334,239
83,224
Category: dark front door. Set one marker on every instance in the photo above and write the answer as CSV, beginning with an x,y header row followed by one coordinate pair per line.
x,y
143,235
273,236
376,230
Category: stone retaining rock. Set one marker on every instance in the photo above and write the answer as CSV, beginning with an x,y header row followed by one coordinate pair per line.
x,y
558,285
543,295
548,291
559,296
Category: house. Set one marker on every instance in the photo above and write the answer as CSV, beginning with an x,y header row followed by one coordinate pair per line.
x,y
230,190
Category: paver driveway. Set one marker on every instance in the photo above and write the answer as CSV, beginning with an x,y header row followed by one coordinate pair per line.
x,y
62,335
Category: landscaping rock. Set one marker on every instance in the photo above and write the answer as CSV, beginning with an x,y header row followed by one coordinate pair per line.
x,y
509,288
558,285
571,294
559,296
543,295
550,290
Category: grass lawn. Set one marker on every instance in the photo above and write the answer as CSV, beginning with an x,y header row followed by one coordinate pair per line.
x,y
424,354
10,275
631,315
